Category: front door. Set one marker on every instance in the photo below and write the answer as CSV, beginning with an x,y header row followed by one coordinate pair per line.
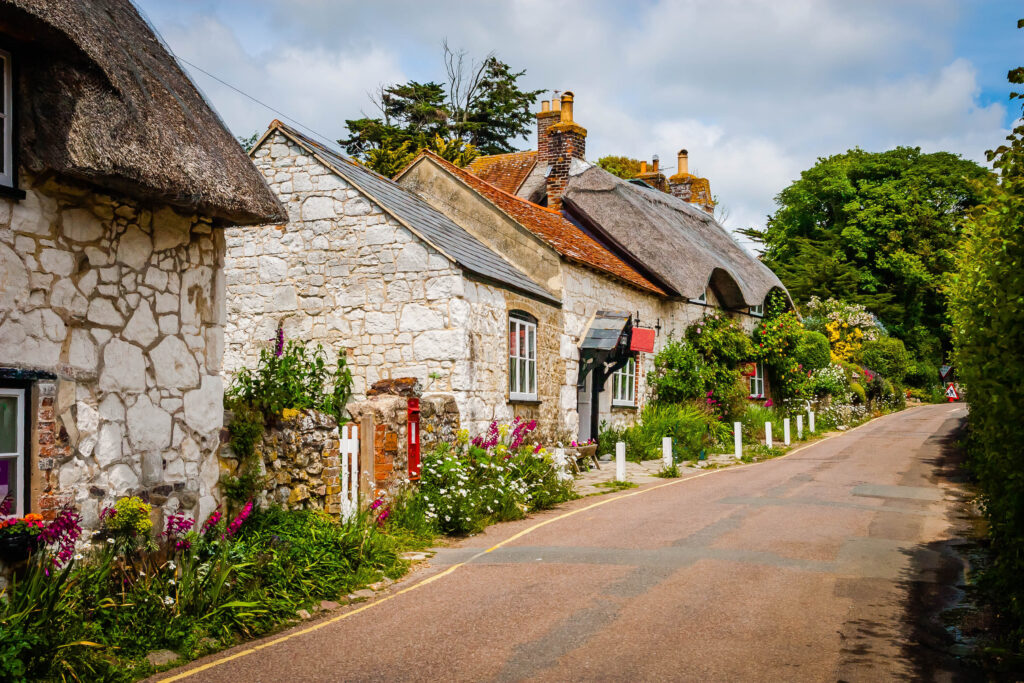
x,y
12,448
583,405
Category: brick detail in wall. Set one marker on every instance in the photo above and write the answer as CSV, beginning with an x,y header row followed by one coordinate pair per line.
x,y
565,145
53,447
545,120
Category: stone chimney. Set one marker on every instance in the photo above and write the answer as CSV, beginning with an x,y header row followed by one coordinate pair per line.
x,y
651,174
689,187
558,143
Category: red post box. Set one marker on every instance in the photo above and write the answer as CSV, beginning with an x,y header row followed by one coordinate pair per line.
x,y
413,434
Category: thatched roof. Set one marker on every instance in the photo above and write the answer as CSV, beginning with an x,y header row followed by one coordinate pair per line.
x,y
101,100
684,246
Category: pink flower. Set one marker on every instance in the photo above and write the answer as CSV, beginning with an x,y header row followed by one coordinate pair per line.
x,y
236,523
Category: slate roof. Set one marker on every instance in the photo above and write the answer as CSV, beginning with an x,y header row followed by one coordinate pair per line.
x,y
101,100
550,226
683,245
421,218
504,171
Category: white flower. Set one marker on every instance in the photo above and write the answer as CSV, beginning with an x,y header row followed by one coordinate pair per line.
x,y
142,573
110,540
171,565
170,582
78,556
168,600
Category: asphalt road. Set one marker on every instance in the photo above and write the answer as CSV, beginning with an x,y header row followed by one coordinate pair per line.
x,y
813,567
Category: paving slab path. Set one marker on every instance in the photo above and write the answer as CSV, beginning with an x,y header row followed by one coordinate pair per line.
x,y
808,567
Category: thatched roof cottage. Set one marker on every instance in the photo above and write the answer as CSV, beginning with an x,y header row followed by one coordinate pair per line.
x,y
117,180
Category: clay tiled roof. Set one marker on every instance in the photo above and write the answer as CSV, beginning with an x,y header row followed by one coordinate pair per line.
x,y
549,225
504,171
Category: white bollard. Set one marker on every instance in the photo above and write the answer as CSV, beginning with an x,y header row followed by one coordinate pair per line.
x,y
810,420
799,426
666,451
768,434
785,431
737,435
620,461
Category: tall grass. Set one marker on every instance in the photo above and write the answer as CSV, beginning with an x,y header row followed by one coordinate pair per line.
x,y
695,431
754,419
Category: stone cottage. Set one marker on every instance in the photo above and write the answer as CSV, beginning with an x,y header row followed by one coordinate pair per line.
x,y
117,181
367,268
641,248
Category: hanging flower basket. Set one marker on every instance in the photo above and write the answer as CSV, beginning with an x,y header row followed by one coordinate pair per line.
x,y
16,547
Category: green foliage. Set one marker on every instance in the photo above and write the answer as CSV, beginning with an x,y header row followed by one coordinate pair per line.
x,y
878,229
679,373
922,374
247,141
887,356
670,472
497,477
297,379
97,618
860,395
615,485
775,343
986,296
760,451
623,167
754,419
481,109
830,380
812,351
694,427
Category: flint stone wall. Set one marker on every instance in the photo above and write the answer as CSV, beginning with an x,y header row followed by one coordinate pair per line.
x,y
118,311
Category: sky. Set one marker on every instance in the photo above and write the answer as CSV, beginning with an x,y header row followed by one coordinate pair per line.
x,y
756,90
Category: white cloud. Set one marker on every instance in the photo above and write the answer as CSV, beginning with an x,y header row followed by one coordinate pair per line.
x,y
756,90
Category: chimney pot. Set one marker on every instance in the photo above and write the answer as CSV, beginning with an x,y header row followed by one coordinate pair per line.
x,y
556,104
684,164
567,107
643,167
656,160
545,106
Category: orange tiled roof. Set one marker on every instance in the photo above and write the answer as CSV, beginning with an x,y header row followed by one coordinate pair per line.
x,y
549,225
504,171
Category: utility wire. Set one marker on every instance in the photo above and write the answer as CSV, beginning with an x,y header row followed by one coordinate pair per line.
x,y
245,94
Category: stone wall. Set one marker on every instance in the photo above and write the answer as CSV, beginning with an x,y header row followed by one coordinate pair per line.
x,y
113,313
302,461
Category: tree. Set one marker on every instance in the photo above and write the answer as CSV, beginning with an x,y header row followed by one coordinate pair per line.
x,y
986,295
623,167
480,108
879,229
247,141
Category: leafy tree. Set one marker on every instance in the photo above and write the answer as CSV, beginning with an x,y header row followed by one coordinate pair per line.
x,y
480,108
623,167
986,296
886,356
247,141
879,229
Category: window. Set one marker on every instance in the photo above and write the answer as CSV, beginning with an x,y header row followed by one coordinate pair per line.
x,y
702,299
522,357
12,448
624,384
8,172
757,311
757,382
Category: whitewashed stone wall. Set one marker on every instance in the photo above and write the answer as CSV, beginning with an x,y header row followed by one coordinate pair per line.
x,y
124,306
344,274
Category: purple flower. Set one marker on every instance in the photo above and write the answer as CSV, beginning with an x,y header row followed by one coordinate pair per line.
x,y
236,523
62,532
279,343
211,521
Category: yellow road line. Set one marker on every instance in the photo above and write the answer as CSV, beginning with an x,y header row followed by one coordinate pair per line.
x,y
524,532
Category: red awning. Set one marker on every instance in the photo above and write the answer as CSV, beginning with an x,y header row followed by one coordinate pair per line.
x,y
642,340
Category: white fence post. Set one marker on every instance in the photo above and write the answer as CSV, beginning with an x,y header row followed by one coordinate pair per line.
x,y
349,452
620,461
666,451
737,437
799,426
768,434
785,431
810,420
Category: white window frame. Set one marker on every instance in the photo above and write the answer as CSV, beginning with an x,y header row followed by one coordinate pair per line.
x,y
522,362
702,299
19,455
624,385
7,173
757,381
757,311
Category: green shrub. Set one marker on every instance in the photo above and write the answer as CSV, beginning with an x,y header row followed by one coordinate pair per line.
x,y
679,374
886,356
859,394
754,419
297,379
812,351
921,374
828,381
695,429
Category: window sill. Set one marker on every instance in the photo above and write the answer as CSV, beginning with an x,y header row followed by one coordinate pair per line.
x,y
11,192
525,401
624,406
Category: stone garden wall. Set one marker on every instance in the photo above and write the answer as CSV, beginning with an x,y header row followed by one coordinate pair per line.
x,y
114,312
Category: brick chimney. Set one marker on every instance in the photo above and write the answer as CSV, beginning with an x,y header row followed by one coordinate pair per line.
x,y
689,187
558,143
651,174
